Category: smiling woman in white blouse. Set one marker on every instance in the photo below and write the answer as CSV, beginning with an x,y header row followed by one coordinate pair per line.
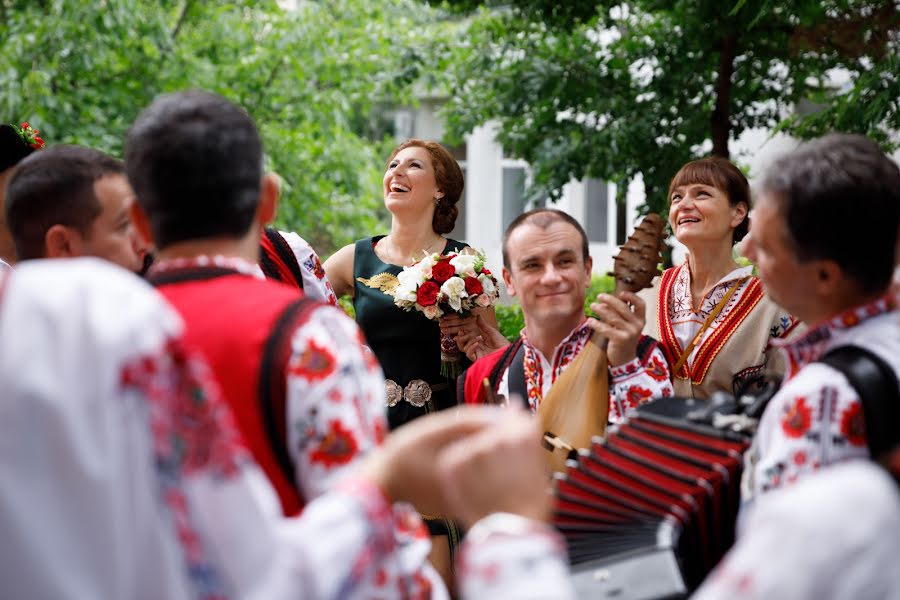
x,y
710,315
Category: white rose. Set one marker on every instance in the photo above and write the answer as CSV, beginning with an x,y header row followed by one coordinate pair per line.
x,y
455,290
405,292
464,264
411,277
433,312
487,285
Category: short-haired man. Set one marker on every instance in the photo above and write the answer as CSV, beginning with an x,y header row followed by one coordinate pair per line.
x,y
69,201
124,477
546,265
15,144
306,397
823,237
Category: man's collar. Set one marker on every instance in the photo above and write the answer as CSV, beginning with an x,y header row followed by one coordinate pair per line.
x,y
811,345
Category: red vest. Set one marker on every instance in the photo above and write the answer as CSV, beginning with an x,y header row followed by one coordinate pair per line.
x,y
242,326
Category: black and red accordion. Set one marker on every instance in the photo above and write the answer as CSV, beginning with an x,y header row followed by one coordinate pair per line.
x,y
650,510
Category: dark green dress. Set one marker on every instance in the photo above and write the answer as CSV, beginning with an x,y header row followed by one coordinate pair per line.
x,y
407,344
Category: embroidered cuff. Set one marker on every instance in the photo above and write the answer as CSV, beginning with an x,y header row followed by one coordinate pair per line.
x,y
625,371
377,509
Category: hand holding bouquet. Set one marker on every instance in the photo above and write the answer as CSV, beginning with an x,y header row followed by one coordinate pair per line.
x,y
442,283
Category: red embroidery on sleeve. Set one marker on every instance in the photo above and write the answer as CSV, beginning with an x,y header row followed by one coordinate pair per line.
x,y
797,418
314,363
338,447
853,424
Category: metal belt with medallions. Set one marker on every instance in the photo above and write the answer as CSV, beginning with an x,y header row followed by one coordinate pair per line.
x,y
417,392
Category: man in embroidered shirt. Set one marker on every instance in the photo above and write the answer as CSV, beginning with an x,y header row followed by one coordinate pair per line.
x,y
307,399
547,266
823,237
70,201
124,476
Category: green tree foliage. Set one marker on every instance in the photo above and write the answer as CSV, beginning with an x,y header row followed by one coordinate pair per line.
x,y
316,78
613,89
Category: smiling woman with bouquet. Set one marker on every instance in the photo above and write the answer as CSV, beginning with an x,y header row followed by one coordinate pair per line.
x,y
421,186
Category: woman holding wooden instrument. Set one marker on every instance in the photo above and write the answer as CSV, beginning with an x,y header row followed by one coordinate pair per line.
x,y
710,314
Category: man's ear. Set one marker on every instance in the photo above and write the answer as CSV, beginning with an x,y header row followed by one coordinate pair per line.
x,y
829,278
588,268
141,223
62,241
507,279
270,190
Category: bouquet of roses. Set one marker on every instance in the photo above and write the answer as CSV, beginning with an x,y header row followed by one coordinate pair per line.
x,y
441,283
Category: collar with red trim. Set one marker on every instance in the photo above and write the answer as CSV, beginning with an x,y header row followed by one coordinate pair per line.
x,y
810,346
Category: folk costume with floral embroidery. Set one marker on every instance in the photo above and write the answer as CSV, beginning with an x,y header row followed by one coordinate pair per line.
x,y
816,418
125,477
631,384
308,399
734,348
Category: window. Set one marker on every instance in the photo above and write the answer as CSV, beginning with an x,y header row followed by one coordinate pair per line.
x,y
513,193
596,210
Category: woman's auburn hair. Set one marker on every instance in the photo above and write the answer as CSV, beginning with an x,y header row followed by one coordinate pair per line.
x,y
721,174
449,179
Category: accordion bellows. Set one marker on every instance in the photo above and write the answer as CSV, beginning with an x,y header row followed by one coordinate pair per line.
x,y
657,486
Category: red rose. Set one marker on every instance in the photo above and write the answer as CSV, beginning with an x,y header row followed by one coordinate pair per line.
x,y
442,271
427,293
473,286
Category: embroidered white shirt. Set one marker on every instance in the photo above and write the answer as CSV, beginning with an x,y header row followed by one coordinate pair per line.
x,y
816,417
631,384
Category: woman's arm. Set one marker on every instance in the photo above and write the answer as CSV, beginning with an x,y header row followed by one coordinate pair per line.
x,y
339,270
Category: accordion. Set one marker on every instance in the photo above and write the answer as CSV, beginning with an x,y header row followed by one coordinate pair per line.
x,y
650,510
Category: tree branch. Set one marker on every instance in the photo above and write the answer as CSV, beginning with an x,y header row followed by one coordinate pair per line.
x,y
721,116
180,21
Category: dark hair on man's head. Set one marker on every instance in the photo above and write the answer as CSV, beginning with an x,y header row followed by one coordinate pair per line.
x,y
194,160
55,187
840,199
449,179
543,218
721,174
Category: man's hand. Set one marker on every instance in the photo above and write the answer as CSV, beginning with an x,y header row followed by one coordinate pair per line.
x,y
405,467
621,325
500,468
474,335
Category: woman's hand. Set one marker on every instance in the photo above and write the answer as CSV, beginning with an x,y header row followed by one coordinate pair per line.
x,y
621,321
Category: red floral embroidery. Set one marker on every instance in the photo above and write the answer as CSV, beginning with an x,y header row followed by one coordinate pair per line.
x,y
657,370
637,395
338,447
850,319
318,270
853,424
314,363
799,458
380,431
335,396
797,418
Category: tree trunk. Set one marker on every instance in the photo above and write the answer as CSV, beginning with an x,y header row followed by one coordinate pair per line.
x,y
721,116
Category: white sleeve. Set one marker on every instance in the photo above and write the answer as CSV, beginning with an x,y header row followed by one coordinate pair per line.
x,y
315,281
